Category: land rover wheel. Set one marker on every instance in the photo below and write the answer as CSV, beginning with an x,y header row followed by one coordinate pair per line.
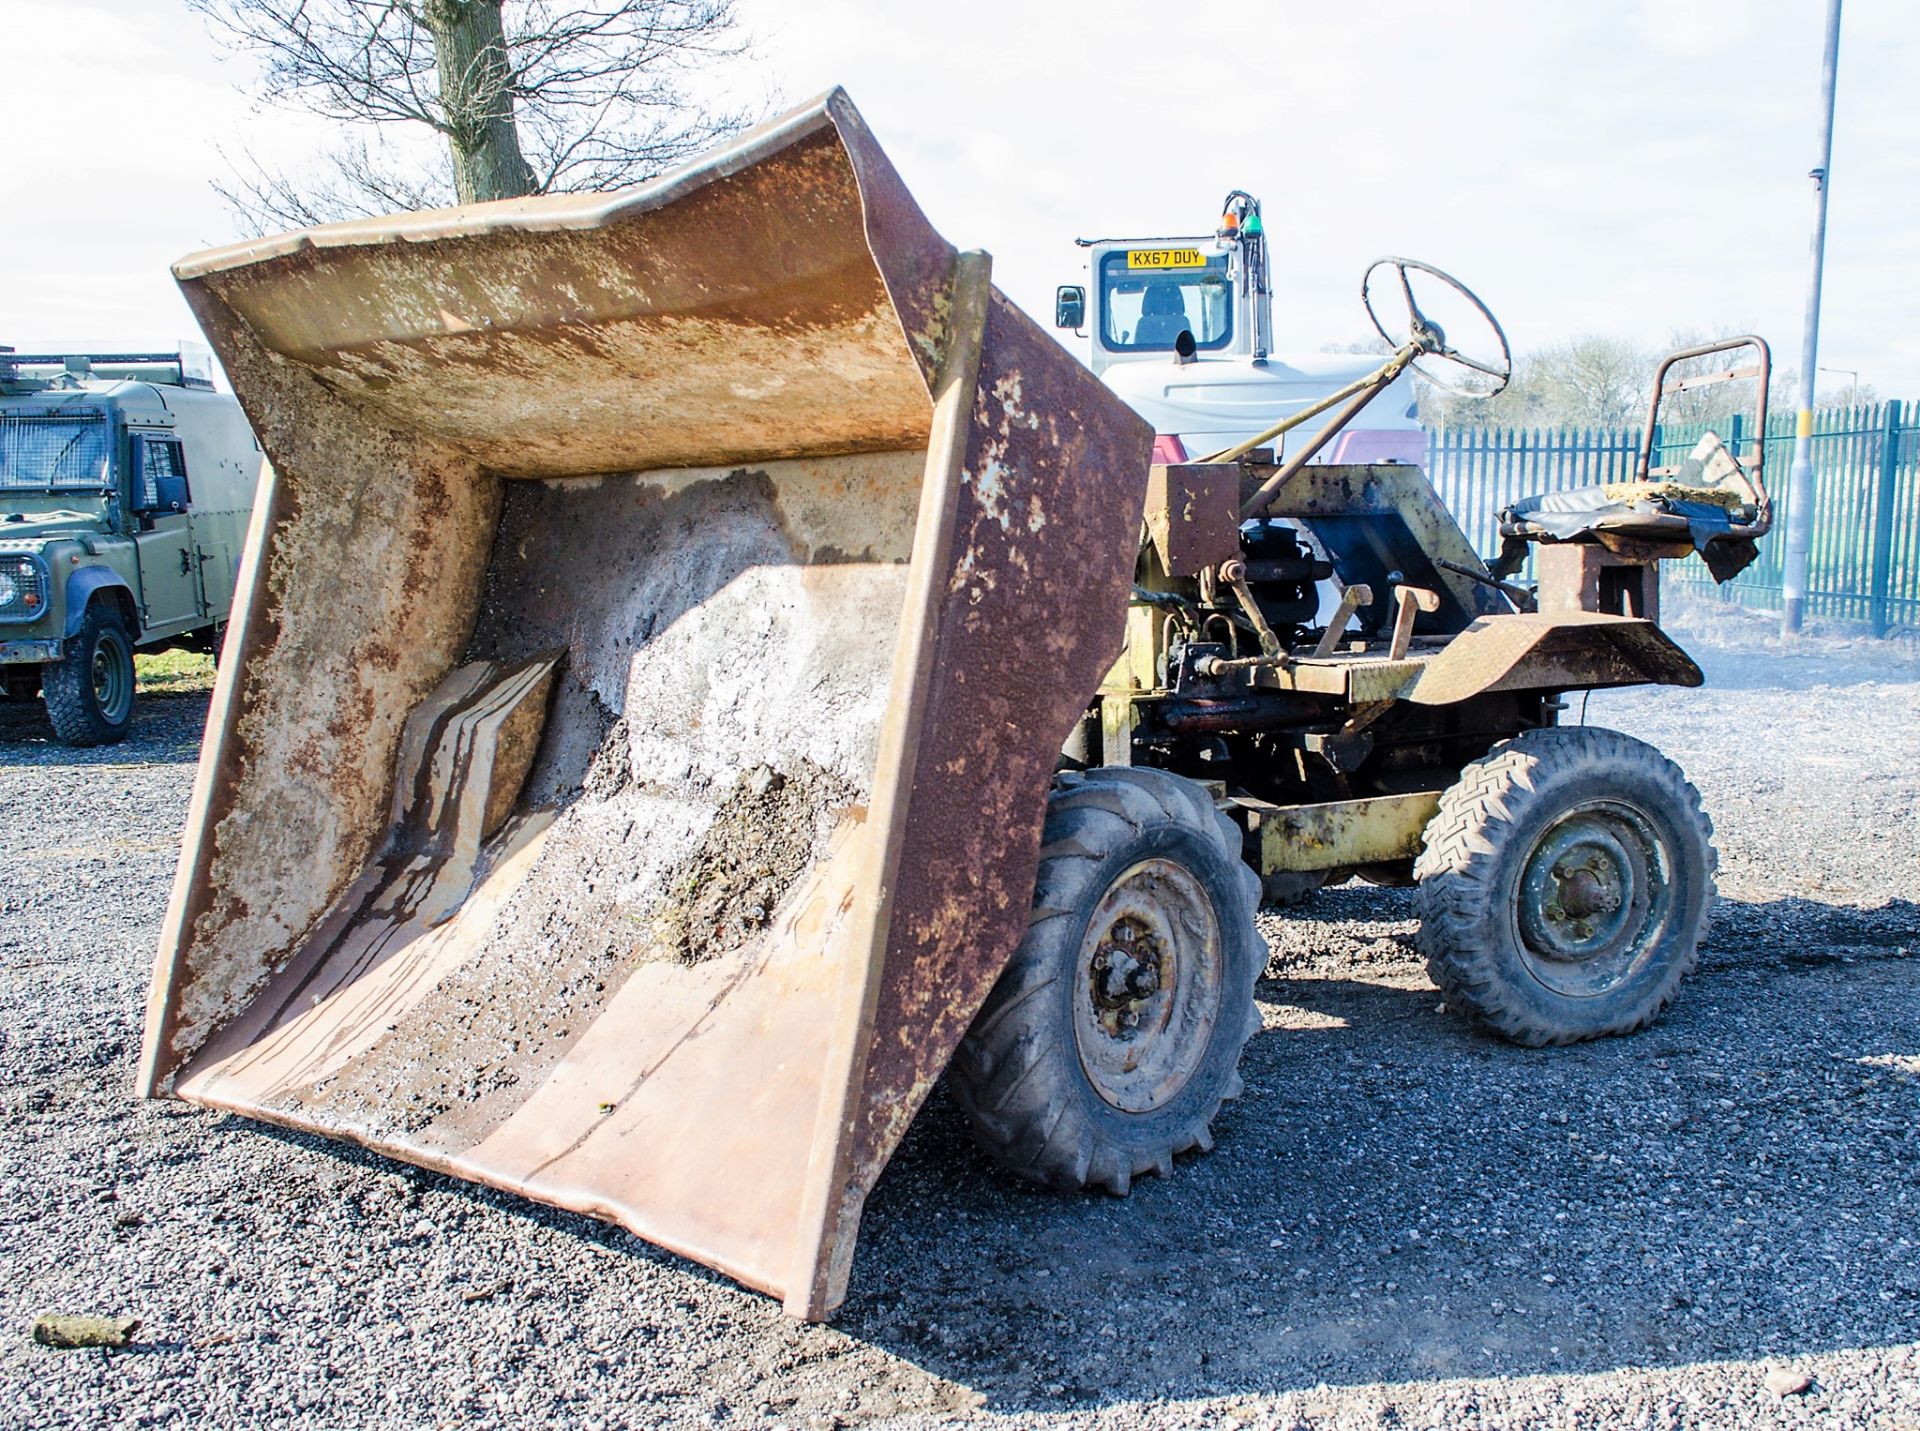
x,y
89,690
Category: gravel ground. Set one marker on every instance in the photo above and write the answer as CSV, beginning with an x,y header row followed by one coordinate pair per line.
x,y
1404,1223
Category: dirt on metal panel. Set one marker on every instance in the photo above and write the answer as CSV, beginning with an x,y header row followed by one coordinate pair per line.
x,y
700,649
614,348
365,566
737,596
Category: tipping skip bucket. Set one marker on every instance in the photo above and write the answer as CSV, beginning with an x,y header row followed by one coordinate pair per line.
x,y
624,778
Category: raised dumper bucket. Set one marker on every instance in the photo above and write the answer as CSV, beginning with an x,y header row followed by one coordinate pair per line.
x,y
624,778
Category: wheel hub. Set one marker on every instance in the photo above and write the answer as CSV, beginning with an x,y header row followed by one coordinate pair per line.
x,y
112,689
1593,897
1126,974
1586,891
1148,985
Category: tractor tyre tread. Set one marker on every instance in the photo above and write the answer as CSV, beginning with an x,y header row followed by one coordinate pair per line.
x,y
1461,903
1017,1073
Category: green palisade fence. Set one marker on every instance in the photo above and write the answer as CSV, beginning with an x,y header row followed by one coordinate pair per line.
x,y
1865,564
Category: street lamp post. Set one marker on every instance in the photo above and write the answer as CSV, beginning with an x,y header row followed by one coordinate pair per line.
x,y
1800,484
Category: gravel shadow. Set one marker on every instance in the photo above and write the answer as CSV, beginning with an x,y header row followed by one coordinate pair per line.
x,y
1400,1198
166,730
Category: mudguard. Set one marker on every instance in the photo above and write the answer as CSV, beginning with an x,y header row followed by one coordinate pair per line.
x,y
1567,651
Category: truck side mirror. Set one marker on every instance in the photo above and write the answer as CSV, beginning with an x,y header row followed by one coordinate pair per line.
x,y
1069,306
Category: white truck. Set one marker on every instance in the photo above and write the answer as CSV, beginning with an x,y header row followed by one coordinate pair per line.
x,y
1182,331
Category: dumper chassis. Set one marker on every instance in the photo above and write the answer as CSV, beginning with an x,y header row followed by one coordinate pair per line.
x,y
1564,875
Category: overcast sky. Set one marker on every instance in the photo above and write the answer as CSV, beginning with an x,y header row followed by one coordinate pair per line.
x,y
1626,168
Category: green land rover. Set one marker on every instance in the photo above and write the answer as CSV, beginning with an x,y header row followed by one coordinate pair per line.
x,y
126,483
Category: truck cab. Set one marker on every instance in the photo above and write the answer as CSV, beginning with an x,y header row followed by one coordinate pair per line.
x,y
126,485
1181,328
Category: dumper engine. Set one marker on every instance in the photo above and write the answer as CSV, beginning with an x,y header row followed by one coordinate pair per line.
x,y
1211,717
1215,715
1283,573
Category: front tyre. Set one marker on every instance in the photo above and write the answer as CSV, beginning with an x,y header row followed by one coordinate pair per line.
x,y
1115,1033
89,690
1564,886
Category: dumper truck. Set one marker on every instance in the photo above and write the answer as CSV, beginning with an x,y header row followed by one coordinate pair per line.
x,y
126,483
706,665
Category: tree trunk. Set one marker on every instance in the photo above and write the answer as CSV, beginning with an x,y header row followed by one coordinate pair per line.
x,y
470,50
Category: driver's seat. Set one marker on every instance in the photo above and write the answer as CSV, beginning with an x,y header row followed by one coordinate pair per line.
x,y
1163,316
1709,504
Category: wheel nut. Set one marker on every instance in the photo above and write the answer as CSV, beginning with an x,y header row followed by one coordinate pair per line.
x,y
1115,971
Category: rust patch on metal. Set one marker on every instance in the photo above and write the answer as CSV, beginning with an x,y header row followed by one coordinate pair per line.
x,y
772,322
1568,651
294,790
1005,690
1193,516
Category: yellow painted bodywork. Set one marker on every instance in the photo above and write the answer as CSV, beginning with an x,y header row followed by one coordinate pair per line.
x,y
1339,833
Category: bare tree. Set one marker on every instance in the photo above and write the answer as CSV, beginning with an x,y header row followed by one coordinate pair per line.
x,y
526,96
1591,380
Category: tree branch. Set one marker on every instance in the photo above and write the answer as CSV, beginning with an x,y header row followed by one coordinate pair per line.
x,y
598,91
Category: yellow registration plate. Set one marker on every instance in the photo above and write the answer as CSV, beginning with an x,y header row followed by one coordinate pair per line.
x,y
1166,258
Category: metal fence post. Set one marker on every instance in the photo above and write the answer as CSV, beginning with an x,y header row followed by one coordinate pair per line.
x,y
1735,444
1879,604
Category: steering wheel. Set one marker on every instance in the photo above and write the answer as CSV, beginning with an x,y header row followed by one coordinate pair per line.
x,y
1436,351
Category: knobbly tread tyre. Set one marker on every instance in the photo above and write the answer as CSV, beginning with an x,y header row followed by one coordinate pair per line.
x,y
1018,1073
1468,867
67,684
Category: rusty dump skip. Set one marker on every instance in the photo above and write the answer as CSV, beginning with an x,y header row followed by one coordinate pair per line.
x,y
625,775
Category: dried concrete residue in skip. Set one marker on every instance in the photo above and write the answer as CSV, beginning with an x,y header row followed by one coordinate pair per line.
x,y
764,834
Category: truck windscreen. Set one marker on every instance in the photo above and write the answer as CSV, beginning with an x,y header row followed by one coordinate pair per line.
x,y
1148,296
53,453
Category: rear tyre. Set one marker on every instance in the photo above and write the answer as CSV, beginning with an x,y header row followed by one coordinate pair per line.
x,y
89,690
1565,886
1115,1033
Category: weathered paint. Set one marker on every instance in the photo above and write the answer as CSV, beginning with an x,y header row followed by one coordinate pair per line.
x,y
1522,651
803,439
1339,833
1535,652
